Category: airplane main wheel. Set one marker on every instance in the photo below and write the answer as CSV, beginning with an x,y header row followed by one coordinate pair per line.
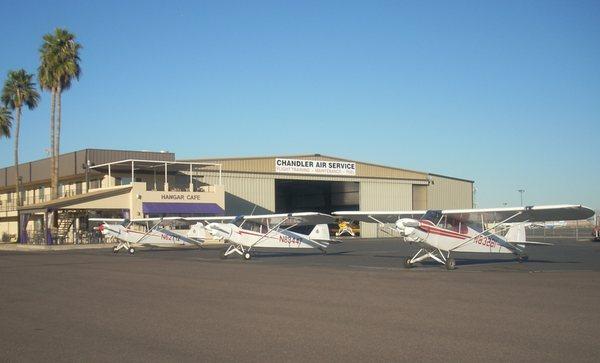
x,y
222,254
407,263
522,258
131,250
450,264
247,256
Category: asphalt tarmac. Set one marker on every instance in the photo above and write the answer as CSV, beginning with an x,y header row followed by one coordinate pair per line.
x,y
356,303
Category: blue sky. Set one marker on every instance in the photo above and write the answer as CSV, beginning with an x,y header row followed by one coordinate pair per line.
x,y
506,93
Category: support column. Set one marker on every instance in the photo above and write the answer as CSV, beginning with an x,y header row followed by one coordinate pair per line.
x,y
191,181
166,179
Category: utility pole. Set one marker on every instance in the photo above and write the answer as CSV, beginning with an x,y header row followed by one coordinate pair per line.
x,y
521,191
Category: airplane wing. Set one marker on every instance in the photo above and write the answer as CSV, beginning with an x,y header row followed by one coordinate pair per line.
x,y
522,214
300,219
378,216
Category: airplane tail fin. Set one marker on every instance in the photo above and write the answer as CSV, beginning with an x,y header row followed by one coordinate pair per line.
x,y
516,235
320,233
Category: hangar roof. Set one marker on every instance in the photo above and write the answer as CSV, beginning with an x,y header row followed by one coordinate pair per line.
x,y
266,165
73,164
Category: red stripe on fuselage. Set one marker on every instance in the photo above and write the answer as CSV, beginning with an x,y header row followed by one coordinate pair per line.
x,y
442,232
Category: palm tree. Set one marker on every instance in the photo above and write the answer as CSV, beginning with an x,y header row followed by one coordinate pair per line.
x,y
5,122
19,90
59,56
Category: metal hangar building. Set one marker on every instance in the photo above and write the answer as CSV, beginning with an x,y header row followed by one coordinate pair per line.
x,y
324,183
135,184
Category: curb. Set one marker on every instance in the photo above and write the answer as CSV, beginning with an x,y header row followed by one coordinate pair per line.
x,y
37,248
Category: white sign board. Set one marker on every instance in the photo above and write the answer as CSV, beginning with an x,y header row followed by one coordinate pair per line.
x,y
302,166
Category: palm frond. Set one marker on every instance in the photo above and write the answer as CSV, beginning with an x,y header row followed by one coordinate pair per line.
x,y
59,56
19,89
5,122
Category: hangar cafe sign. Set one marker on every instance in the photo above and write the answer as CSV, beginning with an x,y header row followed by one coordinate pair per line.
x,y
302,166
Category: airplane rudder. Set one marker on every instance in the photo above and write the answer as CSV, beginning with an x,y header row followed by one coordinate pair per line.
x,y
516,233
320,231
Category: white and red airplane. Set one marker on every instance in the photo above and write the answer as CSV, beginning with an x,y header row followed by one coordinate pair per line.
x,y
441,232
244,234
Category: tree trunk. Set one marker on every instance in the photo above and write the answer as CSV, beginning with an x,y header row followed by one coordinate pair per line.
x,y
17,127
57,135
53,179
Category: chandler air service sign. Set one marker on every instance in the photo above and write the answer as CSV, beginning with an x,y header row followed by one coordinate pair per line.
x,y
323,167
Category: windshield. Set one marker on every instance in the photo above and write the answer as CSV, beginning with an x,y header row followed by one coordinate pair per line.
x,y
433,216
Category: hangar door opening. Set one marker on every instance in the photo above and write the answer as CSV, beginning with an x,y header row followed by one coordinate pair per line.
x,y
315,196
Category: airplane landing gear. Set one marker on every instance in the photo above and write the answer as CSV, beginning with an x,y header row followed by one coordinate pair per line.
x,y
223,254
434,254
131,250
522,258
246,256
115,250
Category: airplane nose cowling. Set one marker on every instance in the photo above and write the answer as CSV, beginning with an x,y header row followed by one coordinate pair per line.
x,y
406,225
408,231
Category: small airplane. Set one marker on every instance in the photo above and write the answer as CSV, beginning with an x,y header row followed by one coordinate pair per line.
x,y
344,227
155,236
244,234
441,232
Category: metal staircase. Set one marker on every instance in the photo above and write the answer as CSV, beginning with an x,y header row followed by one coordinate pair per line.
x,y
66,221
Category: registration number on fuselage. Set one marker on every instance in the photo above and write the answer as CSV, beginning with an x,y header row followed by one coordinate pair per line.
x,y
485,241
167,237
289,240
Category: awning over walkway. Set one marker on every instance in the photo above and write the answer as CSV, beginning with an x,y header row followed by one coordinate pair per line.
x,y
182,208
65,203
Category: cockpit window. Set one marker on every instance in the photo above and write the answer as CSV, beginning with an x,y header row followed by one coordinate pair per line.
x,y
433,216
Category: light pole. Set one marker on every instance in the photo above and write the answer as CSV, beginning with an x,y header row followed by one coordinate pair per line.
x,y
521,191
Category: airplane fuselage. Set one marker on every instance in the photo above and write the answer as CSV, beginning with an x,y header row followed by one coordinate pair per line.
x,y
280,238
465,239
159,238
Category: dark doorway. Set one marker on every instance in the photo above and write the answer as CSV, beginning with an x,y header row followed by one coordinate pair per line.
x,y
315,196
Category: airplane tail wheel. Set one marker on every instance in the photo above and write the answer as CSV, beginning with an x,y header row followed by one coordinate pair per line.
x,y
247,256
131,250
522,258
222,254
450,264
407,263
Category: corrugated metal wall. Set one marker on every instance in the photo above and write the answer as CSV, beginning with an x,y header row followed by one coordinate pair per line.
x,y
419,193
448,193
267,165
71,164
383,196
245,191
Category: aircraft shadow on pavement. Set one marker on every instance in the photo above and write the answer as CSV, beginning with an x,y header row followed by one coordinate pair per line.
x,y
165,249
470,261
260,254
479,261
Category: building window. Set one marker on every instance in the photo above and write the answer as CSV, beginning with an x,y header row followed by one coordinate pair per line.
x,y
41,195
